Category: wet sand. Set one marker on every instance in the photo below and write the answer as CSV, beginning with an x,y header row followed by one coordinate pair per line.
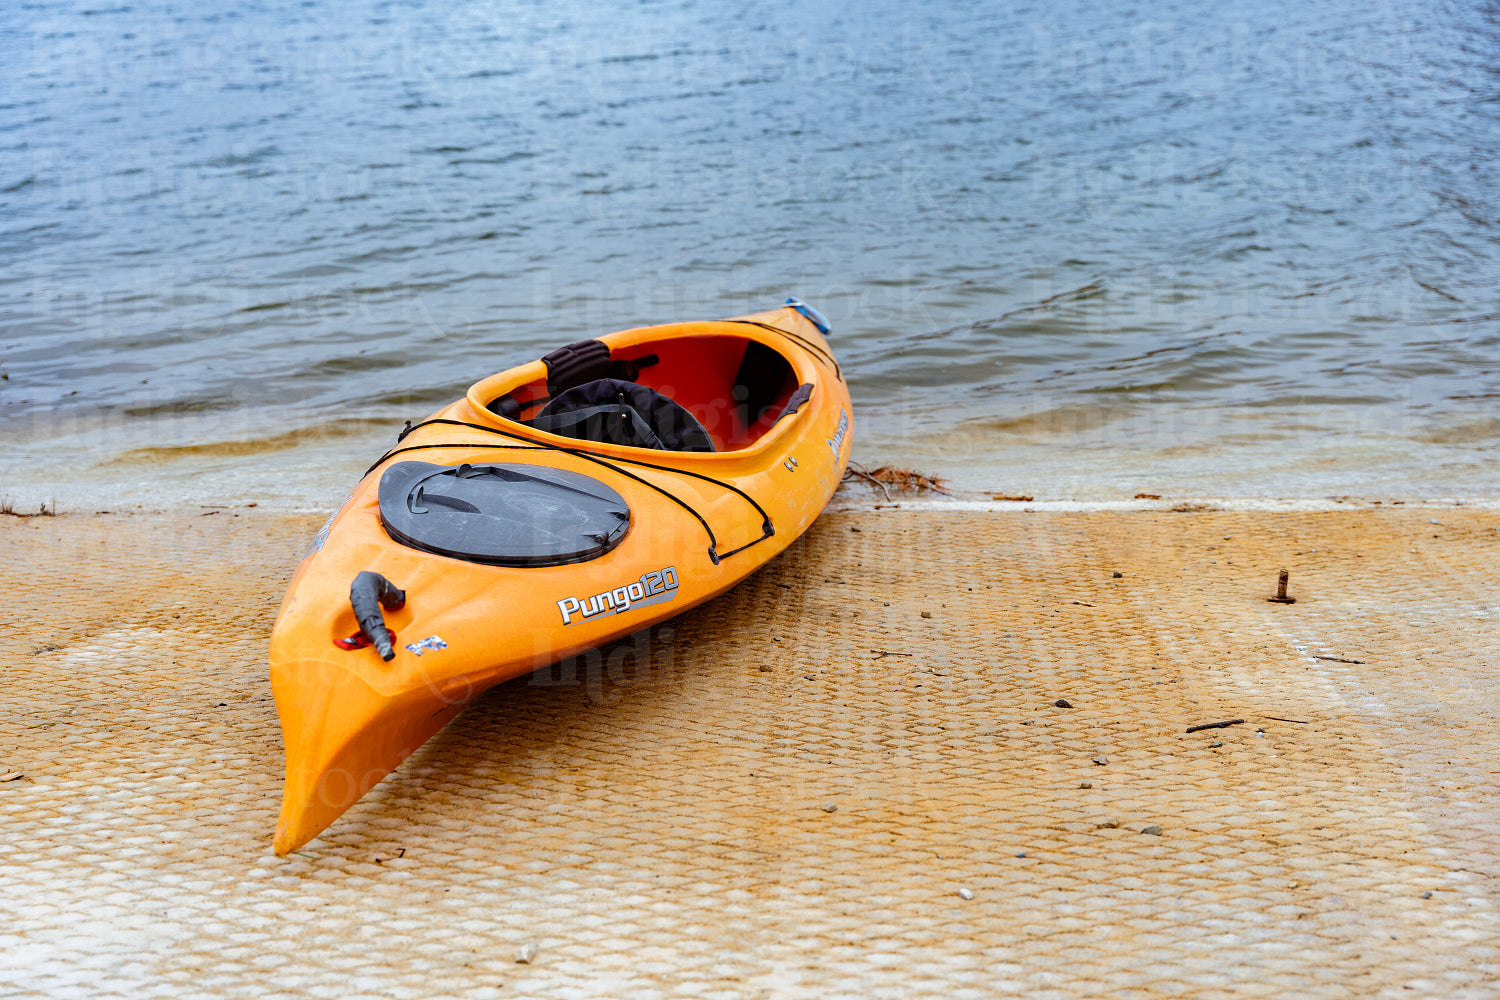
x,y
782,793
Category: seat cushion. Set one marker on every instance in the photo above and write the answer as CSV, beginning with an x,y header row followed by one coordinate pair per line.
x,y
614,411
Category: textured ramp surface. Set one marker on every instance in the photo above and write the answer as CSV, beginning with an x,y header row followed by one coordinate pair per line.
x,y
655,817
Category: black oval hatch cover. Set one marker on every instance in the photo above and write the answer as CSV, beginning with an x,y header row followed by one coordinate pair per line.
x,y
506,515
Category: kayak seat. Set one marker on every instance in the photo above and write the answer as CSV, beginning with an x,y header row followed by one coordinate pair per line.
x,y
614,411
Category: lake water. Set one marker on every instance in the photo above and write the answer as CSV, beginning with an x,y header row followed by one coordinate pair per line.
x,y
1068,249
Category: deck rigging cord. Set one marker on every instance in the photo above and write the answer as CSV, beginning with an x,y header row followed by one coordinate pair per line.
x,y
767,528
822,353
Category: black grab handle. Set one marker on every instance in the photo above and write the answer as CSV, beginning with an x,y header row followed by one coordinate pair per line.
x,y
367,594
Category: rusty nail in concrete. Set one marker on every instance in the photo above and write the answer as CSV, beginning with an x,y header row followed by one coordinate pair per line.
x,y
1281,597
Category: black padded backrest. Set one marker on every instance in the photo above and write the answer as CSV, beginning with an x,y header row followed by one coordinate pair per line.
x,y
619,412
576,365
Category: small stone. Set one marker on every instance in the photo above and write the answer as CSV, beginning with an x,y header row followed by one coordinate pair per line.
x,y
1217,743
1427,894
1101,759
1119,576
765,668
1085,784
526,954
927,614
965,894
830,807
1152,831
1021,855
1110,824
1062,703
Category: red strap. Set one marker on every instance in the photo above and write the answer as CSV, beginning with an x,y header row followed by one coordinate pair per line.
x,y
358,640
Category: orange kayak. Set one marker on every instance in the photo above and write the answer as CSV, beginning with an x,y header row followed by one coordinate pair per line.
x,y
558,506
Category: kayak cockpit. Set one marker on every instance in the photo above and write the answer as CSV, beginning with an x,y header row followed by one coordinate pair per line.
x,y
708,393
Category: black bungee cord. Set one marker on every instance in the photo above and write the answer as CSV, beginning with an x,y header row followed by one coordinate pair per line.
x,y
767,528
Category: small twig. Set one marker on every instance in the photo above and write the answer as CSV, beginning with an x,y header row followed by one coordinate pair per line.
x,y
1336,659
1277,718
1215,725
858,470
881,654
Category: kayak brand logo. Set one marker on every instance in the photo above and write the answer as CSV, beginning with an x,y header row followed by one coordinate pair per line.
x,y
432,642
837,441
655,587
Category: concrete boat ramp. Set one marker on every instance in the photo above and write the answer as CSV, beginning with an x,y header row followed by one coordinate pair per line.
x,y
849,777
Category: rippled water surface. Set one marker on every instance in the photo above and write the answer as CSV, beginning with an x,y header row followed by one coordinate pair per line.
x,y
1068,248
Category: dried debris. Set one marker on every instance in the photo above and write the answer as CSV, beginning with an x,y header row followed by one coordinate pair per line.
x,y
897,477
1215,725
8,508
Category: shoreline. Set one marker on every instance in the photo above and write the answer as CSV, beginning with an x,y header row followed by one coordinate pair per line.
x,y
311,465
849,501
